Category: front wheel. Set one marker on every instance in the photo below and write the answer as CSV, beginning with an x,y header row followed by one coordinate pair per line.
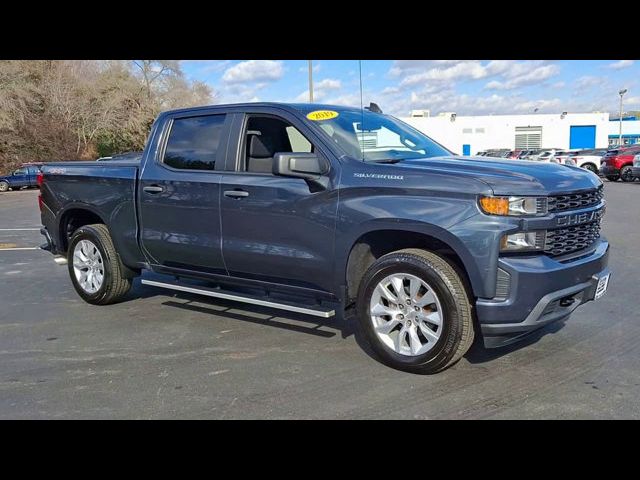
x,y
626,174
94,267
4,186
415,312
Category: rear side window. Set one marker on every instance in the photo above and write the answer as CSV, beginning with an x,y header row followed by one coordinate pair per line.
x,y
193,142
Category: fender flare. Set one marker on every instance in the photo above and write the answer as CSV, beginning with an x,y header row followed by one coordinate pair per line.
x,y
349,240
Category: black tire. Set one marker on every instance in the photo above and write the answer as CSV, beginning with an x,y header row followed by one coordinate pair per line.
x,y
612,178
4,186
114,286
626,174
591,167
458,331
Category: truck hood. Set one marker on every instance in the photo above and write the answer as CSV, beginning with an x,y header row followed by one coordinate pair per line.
x,y
511,177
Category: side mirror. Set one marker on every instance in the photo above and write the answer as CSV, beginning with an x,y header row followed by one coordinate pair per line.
x,y
301,165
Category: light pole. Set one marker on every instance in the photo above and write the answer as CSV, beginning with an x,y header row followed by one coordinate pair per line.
x,y
310,81
621,93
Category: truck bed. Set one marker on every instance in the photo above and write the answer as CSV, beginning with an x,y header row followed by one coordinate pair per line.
x,y
108,189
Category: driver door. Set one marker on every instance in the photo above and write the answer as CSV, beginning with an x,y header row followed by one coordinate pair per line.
x,y
274,228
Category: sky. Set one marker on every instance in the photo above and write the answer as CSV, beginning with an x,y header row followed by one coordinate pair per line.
x,y
466,87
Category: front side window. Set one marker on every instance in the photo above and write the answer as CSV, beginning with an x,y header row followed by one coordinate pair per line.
x,y
374,137
265,136
193,142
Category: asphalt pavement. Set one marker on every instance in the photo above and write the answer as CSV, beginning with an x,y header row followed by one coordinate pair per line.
x,y
164,355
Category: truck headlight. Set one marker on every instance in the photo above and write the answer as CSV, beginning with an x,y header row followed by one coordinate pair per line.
x,y
523,242
514,206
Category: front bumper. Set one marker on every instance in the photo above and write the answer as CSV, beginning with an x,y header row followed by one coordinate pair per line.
x,y
542,290
636,171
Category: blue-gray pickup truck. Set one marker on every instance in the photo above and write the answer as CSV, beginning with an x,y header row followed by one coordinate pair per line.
x,y
317,208
25,176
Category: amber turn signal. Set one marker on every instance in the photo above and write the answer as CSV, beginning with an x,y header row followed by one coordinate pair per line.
x,y
495,205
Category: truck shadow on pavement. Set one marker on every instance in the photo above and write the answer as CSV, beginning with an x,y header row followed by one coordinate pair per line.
x,y
238,311
343,322
479,354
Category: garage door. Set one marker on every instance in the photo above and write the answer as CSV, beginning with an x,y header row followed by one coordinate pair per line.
x,y
528,138
582,136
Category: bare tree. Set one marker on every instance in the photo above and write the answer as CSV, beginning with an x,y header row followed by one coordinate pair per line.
x,y
66,110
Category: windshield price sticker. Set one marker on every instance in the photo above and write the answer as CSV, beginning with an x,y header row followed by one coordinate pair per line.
x,y
322,115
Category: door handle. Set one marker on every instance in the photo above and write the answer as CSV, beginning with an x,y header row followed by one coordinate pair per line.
x,y
236,193
153,189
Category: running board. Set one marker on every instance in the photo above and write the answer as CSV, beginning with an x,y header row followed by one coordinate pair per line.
x,y
210,292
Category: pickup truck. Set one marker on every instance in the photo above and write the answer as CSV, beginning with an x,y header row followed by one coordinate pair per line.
x,y
317,209
25,176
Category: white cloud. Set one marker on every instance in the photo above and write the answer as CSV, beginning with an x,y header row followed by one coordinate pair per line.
x,y
620,64
588,81
450,72
521,76
315,68
320,90
204,67
254,71
328,84
401,67
632,101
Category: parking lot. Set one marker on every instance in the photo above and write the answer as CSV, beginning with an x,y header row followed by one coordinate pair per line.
x,y
165,355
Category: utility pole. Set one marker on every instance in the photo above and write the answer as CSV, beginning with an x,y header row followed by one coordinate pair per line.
x,y
621,93
310,81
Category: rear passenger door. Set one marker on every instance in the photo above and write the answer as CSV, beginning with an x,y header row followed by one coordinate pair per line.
x,y
179,193
277,229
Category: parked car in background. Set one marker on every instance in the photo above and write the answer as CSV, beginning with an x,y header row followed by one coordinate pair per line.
x,y
23,177
618,163
635,170
498,153
548,155
531,154
525,153
514,154
589,159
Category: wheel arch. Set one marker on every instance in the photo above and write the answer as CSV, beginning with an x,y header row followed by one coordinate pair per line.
x,y
371,243
73,217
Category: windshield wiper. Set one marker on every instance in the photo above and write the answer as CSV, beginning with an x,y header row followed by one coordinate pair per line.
x,y
385,160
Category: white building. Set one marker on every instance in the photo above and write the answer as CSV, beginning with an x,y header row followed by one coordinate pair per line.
x,y
630,131
468,135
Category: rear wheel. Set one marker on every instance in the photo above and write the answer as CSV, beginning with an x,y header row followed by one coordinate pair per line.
x,y
94,267
591,167
4,186
626,174
414,311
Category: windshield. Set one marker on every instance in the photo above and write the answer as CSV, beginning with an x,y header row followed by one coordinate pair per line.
x,y
372,137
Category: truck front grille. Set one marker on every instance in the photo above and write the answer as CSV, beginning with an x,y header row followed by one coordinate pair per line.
x,y
562,241
573,201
